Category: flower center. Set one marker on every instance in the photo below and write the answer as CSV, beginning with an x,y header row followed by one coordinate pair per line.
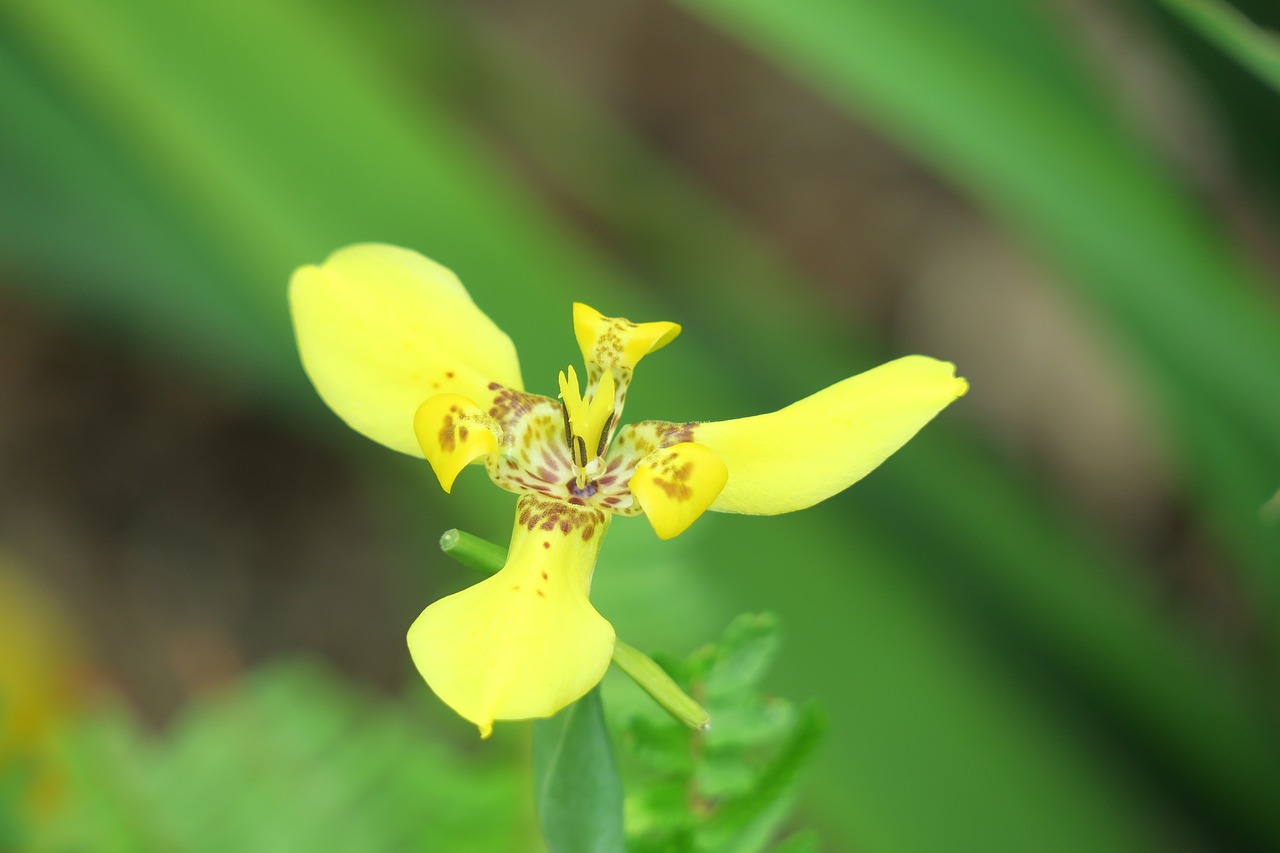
x,y
587,423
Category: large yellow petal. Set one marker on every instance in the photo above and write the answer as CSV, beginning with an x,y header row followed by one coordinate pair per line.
x,y
381,329
525,642
809,451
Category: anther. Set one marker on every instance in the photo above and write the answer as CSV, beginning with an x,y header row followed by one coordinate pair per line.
x,y
604,434
568,428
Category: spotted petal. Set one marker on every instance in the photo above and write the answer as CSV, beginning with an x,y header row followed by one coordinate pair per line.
x,y
454,432
809,451
676,484
381,329
525,642
613,343
615,346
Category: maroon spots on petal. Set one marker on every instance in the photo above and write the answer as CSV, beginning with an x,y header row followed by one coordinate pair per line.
x,y
556,514
676,491
544,575
541,594
545,544
448,374
445,437
462,433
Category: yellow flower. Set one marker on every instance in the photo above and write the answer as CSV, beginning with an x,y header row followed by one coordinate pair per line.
x,y
396,347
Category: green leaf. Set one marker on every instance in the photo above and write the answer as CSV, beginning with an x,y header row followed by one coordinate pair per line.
x,y
754,817
744,655
804,841
731,787
1253,47
578,791
289,759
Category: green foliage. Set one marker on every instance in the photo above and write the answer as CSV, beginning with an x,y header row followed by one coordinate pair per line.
x,y
1237,36
731,787
162,191
576,782
290,759
16,778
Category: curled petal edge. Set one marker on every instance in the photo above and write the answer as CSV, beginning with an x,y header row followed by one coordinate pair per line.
x,y
677,484
453,432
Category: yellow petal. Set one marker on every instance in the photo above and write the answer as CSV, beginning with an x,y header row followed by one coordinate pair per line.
x,y
812,449
675,485
611,342
381,329
453,432
525,642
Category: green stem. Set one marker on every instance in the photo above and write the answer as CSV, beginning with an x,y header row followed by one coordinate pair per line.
x,y
472,551
654,680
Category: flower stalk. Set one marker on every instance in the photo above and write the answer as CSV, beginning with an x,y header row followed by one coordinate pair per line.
x,y
472,551
654,680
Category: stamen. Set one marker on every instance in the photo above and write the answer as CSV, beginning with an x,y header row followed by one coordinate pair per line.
x,y
587,422
604,434
568,430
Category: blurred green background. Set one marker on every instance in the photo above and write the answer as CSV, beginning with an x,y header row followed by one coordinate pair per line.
x,y
1051,622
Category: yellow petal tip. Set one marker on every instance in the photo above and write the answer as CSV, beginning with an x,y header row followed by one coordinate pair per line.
x,y
616,343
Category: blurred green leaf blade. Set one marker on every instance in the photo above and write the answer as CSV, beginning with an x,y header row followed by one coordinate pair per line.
x,y
578,790
1223,25
1061,170
291,759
